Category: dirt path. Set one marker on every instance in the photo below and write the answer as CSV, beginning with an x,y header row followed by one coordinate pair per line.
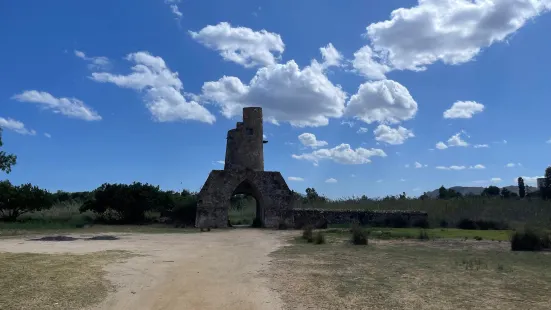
x,y
216,270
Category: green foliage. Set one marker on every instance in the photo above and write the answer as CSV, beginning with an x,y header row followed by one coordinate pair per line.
x,y
423,235
319,238
308,233
17,200
359,235
421,223
530,240
521,187
491,191
127,204
444,193
545,191
505,193
6,160
481,225
181,208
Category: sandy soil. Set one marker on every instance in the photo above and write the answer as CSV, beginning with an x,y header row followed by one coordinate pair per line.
x,y
215,270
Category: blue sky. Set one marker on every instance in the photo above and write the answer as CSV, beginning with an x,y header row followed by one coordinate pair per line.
x,y
104,91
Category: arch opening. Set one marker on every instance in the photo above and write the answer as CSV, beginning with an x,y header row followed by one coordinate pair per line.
x,y
245,206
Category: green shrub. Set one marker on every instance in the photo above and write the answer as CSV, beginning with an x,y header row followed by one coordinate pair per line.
x,y
443,223
477,238
423,235
530,240
481,225
359,235
319,238
21,199
307,233
421,223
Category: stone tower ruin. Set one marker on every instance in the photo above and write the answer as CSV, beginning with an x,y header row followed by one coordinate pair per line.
x,y
244,174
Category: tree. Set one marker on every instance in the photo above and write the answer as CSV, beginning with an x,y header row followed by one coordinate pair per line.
x,y
521,187
546,189
505,193
442,192
6,160
17,200
491,191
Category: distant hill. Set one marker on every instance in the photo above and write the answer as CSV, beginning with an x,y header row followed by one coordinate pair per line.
x,y
465,190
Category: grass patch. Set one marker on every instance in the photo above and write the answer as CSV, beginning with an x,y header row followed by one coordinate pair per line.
x,y
432,233
54,281
409,274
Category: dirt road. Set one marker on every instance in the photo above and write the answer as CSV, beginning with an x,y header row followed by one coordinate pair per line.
x,y
216,270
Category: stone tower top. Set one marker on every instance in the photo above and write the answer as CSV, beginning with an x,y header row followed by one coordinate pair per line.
x,y
245,143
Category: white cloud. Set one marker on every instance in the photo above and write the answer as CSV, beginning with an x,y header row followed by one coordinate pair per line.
x,y
310,140
478,167
173,4
456,140
349,123
369,64
17,126
331,56
94,63
297,179
47,135
384,101
162,87
450,31
379,181
495,180
451,167
464,109
402,180
362,130
392,136
342,154
241,45
477,146
70,107
418,165
221,162
285,92
441,145
510,165
331,180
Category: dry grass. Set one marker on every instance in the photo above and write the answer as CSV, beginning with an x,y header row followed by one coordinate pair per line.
x,y
54,281
394,274
14,230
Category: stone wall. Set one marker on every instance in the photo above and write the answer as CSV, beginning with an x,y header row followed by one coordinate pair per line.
x,y
319,217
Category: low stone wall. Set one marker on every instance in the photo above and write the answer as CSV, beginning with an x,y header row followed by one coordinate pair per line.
x,y
321,217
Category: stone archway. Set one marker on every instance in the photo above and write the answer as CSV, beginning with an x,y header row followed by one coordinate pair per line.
x,y
246,187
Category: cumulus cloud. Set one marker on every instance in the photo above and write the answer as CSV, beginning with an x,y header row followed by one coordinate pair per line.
x,y
94,63
369,64
162,89
450,31
441,145
456,140
477,167
16,126
342,154
528,180
362,130
348,123
451,167
297,179
70,107
418,165
241,45
464,109
302,97
310,140
331,180
392,136
512,165
384,101
331,56
478,146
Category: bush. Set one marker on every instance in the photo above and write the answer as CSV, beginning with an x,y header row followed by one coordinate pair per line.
x,y
481,225
421,223
17,200
184,208
359,235
444,224
529,240
127,204
319,238
477,238
423,235
307,233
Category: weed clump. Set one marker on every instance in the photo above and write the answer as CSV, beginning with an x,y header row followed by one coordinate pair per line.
x,y
421,223
470,224
359,235
319,238
308,233
530,240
